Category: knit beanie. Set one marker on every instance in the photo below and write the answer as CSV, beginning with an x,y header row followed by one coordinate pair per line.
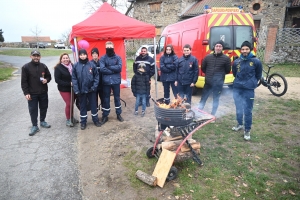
x,y
82,51
95,50
220,42
247,44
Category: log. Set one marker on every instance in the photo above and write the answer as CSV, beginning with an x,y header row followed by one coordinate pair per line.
x,y
173,145
182,156
146,178
185,147
165,138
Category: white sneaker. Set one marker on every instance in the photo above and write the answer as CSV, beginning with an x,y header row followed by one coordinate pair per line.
x,y
237,127
247,135
136,112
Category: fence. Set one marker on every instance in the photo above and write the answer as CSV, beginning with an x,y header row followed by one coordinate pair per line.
x,y
288,36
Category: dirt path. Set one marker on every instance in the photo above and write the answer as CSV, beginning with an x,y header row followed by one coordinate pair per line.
x,y
102,150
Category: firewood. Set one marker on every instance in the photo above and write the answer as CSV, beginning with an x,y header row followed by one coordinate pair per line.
x,y
182,156
173,145
146,178
185,147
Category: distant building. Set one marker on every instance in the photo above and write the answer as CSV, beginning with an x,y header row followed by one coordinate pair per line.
x,y
33,40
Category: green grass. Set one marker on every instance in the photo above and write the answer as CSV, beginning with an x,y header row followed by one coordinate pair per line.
x,y
130,68
267,167
26,52
5,72
287,70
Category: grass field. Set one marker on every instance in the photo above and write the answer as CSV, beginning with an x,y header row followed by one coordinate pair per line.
x,y
26,52
5,71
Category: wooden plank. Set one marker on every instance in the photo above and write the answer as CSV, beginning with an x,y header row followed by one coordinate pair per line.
x,y
163,166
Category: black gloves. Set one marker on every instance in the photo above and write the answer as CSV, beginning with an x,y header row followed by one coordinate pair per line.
x,y
78,94
91,90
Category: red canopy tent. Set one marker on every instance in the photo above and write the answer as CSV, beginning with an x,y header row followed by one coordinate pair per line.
x,y
107,24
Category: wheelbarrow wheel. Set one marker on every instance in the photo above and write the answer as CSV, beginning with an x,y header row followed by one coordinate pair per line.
x,y
172,174
149,152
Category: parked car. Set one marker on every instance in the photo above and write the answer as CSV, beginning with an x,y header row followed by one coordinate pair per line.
x,y
60,45
40,45
150,48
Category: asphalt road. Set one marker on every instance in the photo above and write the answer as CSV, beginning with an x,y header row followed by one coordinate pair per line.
x,y
43,166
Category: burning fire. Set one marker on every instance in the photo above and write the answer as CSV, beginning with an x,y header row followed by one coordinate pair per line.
x,y
178,103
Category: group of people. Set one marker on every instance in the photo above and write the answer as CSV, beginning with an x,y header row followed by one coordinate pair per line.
x,y
98,77
182,74
86,79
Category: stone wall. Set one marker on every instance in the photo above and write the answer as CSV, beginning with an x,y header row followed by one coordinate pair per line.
x,y
270,12
286,54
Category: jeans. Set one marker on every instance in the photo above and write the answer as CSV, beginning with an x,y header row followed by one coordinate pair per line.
x,y
83,109
207,90
106,93
38,101
185,90
244,99
167,85
140,97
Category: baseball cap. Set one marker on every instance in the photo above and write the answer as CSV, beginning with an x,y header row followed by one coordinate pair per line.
x,y
35,52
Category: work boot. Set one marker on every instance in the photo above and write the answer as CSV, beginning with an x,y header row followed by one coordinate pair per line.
x,y
74,120
104,120
45,124
34,130
120,118
83,126
247,135
98,124
69,123
237,127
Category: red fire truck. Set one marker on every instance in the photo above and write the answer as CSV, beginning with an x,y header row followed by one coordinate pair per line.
x,y
229,24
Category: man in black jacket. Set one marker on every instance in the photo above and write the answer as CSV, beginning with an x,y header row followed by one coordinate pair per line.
x,y
215,66
34,79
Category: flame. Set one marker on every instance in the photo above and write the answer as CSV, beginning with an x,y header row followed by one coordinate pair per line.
x,y
175,103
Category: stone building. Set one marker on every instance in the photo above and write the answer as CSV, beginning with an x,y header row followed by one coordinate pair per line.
x,y
284,13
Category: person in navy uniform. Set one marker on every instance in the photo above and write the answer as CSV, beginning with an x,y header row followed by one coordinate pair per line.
x,y
111,67
85,79
187,73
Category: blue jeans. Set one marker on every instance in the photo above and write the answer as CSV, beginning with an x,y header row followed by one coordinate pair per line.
x,y
167,85
142,98
216,89
106,94
92,97
38,101
244,99
185,90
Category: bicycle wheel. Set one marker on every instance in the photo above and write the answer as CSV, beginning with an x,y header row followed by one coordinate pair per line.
x,y
277,84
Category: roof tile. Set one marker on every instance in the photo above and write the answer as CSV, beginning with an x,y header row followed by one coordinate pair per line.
x,y
198,8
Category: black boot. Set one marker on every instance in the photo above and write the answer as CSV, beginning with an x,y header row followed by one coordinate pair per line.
x,y
104,120
120,118
83,126
98,124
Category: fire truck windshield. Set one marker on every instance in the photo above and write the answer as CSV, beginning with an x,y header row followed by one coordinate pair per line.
x,y
232,36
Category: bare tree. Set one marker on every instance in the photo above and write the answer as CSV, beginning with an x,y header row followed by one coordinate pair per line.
x,y
65,37
121,5
36,33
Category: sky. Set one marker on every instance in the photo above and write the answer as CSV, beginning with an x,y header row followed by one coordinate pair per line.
x,y
52,17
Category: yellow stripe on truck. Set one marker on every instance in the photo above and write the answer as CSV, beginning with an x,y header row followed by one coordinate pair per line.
x,y
243,19
220,19
228,20
250,19
211,20
236,20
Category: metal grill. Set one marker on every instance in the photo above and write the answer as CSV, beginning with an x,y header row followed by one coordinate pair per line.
x,y
288,36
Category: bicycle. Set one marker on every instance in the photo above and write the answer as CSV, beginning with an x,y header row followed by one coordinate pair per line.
x,y
275,82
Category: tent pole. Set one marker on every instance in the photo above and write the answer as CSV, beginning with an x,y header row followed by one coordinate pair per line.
x,y
76,50
154,44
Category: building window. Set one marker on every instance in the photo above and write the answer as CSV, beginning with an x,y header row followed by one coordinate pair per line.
x,y
155,6
256,6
